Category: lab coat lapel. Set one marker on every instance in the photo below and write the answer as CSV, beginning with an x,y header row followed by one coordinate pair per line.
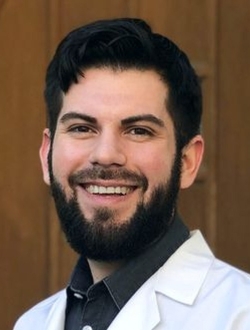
x,y
56,317
141,312
182,277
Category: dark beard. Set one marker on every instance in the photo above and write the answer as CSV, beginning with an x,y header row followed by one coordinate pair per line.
x,y
102,238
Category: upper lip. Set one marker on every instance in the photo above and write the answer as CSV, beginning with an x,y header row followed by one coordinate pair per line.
x,y
108,183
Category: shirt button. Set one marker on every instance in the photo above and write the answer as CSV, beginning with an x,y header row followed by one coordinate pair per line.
x,y
87,327
78,295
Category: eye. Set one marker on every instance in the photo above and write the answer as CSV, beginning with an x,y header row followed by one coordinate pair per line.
x,y
141,131
81,130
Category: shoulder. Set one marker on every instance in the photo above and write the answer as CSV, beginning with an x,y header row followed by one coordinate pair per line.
x,y
197,286
38,314
225,286
229,277
193,273
219,274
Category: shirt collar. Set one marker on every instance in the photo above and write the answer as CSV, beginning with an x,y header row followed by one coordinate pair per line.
x,y
81,278
126,281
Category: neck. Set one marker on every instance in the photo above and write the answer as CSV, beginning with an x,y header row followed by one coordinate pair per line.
x,y
102,269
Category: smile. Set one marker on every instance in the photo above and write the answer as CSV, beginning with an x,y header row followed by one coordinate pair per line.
x,y
102,190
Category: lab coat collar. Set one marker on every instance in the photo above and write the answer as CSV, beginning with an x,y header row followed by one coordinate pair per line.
x,y
181,278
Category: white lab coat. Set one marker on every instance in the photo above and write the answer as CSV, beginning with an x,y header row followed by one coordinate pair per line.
x,y
193,290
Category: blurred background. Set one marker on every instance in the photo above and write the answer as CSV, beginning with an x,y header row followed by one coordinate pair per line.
x,y
34,259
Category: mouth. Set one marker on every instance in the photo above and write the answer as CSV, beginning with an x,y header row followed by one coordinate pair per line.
x,y
108,185
108,190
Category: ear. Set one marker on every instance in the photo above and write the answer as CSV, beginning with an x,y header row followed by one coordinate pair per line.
x,y
43,153
192,155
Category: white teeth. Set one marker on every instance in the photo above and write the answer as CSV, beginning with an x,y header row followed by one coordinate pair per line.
x,y
102,190
93,189
110,190
124,190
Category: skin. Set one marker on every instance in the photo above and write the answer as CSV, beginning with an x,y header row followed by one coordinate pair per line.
x,y
116,119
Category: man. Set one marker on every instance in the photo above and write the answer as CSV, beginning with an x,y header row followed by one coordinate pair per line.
x,y
123,136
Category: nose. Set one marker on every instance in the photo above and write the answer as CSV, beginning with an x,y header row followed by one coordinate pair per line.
x,y
108,150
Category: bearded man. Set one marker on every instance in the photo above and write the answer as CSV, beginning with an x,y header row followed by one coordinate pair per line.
x,y
124,112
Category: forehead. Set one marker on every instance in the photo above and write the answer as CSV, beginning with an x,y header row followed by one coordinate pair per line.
x,y
118,93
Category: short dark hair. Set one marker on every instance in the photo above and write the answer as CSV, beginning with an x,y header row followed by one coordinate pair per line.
x,y
127,43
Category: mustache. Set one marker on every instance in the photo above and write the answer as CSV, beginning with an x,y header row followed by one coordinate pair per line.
x,y
100,173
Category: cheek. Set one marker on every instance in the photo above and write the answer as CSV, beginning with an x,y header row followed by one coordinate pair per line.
x,y
156,166
66,159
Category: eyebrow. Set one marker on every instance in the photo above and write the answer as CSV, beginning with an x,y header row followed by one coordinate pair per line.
x,y
147,117
126,121
76,115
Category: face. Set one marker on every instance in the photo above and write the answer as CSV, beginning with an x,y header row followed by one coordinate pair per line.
x,y
113,166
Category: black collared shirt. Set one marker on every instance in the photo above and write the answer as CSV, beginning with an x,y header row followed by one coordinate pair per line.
x,y
96,305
